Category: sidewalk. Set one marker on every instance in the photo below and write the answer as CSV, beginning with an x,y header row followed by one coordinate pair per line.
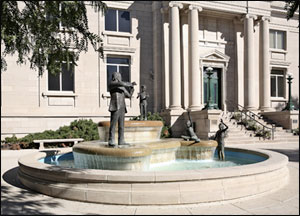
x,y
16,199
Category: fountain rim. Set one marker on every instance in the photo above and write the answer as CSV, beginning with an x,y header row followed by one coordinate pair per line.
x,y
134,123
29,164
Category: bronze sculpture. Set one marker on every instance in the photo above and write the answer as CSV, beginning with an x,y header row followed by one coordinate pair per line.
x,y
117,107
143,102
191,134
190,131
219,137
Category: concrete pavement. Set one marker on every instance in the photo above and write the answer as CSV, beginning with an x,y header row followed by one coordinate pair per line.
x,y
16,199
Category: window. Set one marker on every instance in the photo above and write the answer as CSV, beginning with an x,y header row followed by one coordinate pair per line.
x,y
59,12
117,20
118,64
277,39
63,81
277,83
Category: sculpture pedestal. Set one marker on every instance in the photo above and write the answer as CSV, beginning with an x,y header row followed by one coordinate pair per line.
x,y
134,131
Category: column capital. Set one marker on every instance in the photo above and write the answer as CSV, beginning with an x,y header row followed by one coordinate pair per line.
x,y
249,16
266,18
195,7
176,4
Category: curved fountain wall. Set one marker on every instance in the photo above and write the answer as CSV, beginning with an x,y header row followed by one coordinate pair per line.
x,y
155,188
145,148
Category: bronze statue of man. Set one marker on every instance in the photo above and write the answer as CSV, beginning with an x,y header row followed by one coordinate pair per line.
x,y
143,102
219,137
117,107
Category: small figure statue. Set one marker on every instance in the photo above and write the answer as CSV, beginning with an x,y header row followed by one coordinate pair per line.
x,y
191,134
117,107
143,102
219,137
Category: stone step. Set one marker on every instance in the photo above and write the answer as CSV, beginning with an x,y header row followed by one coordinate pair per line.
x,y
286,138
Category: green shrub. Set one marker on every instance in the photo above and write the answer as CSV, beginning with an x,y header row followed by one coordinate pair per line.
x,y
295,131
86,129
251,125
12,139
237,116
261,133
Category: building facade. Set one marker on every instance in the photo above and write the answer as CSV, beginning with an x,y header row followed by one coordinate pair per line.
x,y
168,46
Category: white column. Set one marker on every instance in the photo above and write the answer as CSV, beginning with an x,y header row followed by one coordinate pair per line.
x,y
250,91
266,82
194,69
175,68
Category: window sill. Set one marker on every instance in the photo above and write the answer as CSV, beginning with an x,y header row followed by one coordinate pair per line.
x,y
278,99
59,94
278,50
113,33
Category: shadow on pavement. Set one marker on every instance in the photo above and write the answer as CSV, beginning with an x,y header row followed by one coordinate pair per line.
x,y
16,199
293,154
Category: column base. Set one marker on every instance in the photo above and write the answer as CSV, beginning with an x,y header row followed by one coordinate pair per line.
x,y
251,108
195,107
266,109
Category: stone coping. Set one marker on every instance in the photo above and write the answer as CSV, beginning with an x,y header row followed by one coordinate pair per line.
x,y
202,143
136,149
29,164
132,151
134,124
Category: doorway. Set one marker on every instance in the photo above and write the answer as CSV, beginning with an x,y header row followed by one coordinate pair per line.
x,y
215,87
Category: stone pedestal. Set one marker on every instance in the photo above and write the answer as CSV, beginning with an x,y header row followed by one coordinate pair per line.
x,y
206,122
287,119
134,131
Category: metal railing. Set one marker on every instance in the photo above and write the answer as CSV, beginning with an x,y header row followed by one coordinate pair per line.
x,y
252,116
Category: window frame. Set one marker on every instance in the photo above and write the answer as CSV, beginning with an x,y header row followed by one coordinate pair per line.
x,y
118,67
276,39
284,83
60,80
117,21
61,28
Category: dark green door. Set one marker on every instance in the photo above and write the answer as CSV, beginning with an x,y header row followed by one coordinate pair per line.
x,y
215,87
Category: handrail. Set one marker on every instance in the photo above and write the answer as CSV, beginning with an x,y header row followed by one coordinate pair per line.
x,y
244,110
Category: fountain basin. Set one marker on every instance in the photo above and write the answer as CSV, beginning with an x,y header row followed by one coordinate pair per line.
x,y
134,131
154,187
139,155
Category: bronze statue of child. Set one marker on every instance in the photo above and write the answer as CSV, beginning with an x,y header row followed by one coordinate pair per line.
x,y
191,134
219,137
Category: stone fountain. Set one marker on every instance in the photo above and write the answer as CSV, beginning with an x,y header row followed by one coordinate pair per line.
x,y
106,173
145,149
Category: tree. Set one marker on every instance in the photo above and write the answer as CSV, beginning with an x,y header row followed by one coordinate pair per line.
x,y
291,7
45,33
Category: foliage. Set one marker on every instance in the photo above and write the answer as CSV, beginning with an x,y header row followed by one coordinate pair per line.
x,y
86,129
150,117
263,133
45,33
295,131
166,130
291,7
251,125
237,116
